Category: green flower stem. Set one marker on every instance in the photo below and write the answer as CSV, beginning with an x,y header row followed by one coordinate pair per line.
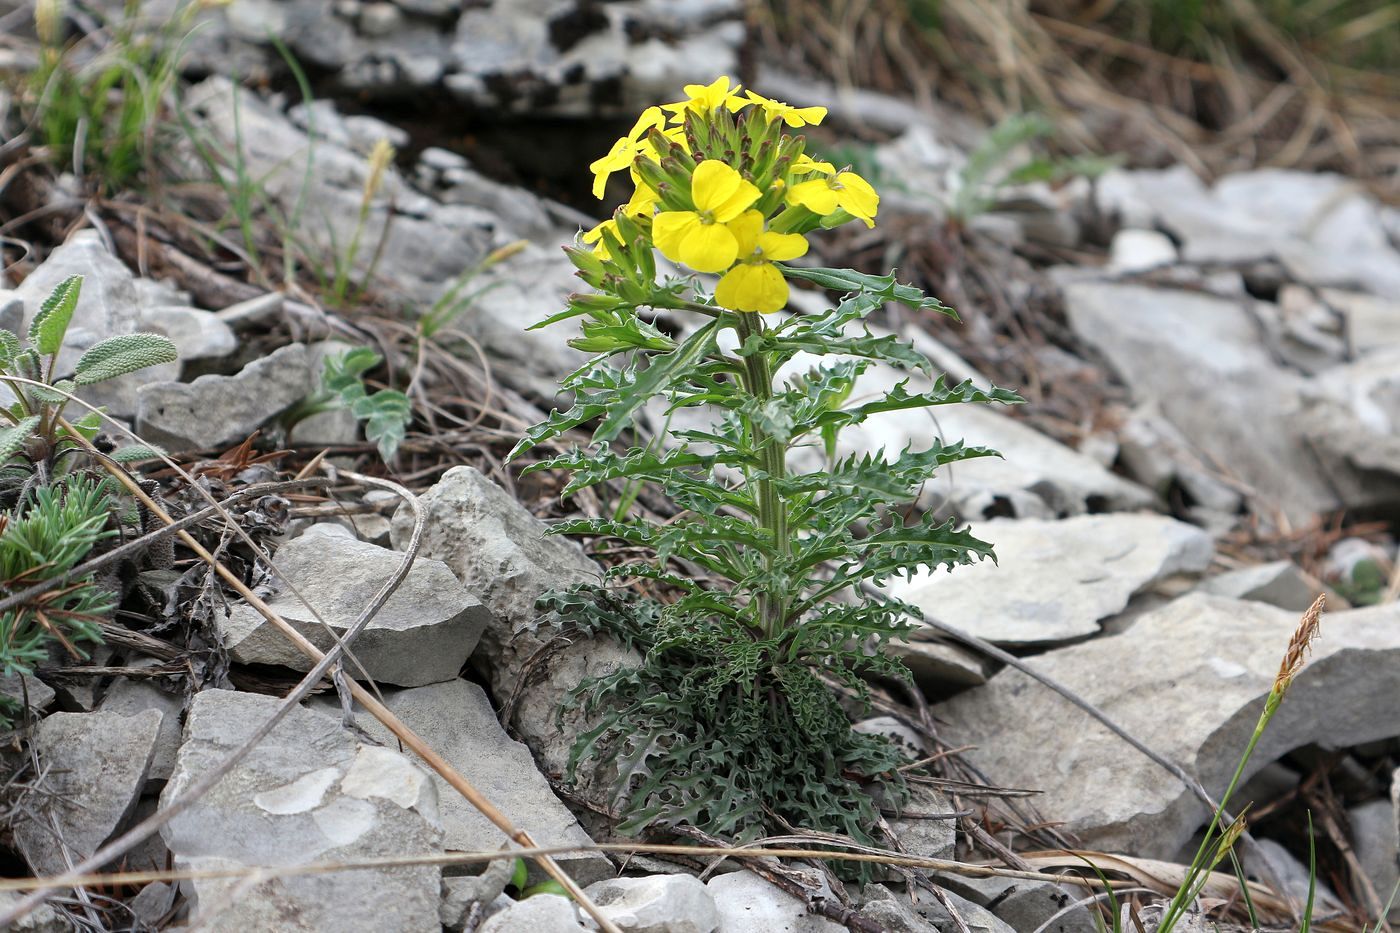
x,y
1200,864
772,514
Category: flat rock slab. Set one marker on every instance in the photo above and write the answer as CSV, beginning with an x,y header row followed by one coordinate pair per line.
x,y
310,791
1189,680
501,553
423,634
215,411
1035,476
108,305
1203,359
1279,583
750,904
1054,580
677,903
457,720
96,767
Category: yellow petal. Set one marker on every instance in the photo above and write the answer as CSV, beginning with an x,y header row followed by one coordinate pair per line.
x,y
619,157
804,116
669,229
815,195
642,202
712,183
707,247
781,246
747,229
858,197
805,165
752,287
651,117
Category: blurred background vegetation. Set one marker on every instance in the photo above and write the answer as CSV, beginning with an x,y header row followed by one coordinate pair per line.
x,y
1220,85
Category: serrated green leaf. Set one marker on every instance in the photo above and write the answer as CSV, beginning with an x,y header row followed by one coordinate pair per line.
x,y
885,287
50,325
663,369
126,353
13,438
9,345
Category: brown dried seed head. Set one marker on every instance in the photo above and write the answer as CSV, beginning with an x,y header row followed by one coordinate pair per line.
x,y
1299,645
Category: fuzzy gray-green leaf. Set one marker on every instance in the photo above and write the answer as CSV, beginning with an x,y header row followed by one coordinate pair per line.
x,y
13,438
50,325
117,356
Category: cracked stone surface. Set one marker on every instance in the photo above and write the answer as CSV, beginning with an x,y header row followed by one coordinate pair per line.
x,y
1054,580
1189,680
423,634
309,791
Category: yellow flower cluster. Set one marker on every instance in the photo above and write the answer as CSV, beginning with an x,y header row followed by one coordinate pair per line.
x,y
722,189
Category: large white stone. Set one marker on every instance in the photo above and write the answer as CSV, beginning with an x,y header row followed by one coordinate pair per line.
x,y
1189,680
308,792
1055,580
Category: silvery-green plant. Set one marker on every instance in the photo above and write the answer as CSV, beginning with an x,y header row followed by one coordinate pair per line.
x,y
730,722
36,432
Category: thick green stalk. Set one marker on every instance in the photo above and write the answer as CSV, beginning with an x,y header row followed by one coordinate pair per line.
x,y
772,514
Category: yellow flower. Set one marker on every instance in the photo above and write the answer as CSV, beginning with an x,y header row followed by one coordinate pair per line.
x,y
755,284
699,238
806,165
703,98
843,189
594,237
625,150
794,117
642,202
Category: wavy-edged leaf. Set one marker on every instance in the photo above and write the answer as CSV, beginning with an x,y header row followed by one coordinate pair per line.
x,y
900,399
591,467
50,325
57,394
125,353
13,438
344,371
881,286
9,345
652,381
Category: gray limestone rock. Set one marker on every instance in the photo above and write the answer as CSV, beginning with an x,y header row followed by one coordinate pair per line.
x,y
1279,583
216,411
1055,580
108,306
130,696
96,766
500,552
458,721
1189,680
1201,359
657,904
423,634
543,913
748,903
197,335
310,791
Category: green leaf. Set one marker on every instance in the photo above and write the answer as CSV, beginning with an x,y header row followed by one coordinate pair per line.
x,y
387,414
51,395
900,399
50,325
127,353
136,453
881,286
9,345
653,380
13,438
342,371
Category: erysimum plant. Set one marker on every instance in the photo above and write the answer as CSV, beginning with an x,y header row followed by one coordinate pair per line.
x,y
730,722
